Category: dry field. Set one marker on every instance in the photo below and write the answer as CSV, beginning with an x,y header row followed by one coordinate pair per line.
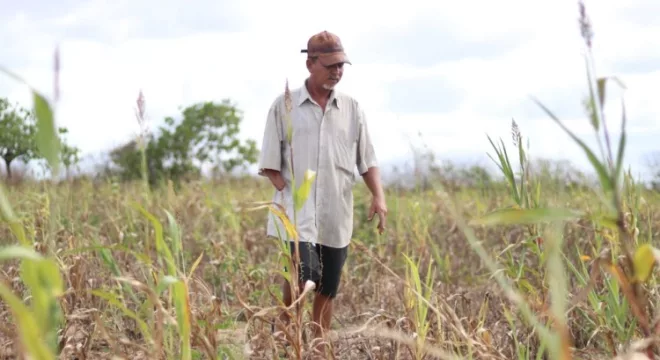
x,y
524,268
445,294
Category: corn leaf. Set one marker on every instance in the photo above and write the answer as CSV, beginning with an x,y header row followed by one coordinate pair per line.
x,y
7,214
644,260
526,216
177,245
19,252
195,264
602,84
605,180
622,142
112,299
48,142
302,193
161,246
182,305
27,325
273,208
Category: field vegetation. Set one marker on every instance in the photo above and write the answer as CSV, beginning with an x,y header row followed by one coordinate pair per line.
x,y
152,260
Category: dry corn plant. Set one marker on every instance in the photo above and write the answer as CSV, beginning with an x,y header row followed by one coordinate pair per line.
x,y
428,313
294,334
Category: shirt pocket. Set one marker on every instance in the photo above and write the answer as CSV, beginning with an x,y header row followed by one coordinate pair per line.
x,y
345,157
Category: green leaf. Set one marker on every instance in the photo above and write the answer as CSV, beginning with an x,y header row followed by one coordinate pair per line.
x,y
526,216
604,177
13,75
112,299
19,252
602,83
182,308
177,245
7,214
592,108
165,282
302,193
505,166
161,247
48,141
51,277
644,260
622,141
43,279
27,326
604,219
622,146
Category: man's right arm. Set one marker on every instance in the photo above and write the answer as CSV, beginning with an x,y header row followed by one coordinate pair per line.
x,y
270,158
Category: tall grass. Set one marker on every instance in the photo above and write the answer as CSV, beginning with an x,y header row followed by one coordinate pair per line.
x,y
501,271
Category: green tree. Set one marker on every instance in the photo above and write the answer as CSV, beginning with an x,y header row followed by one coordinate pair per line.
x,y
18,129
17,132
206,133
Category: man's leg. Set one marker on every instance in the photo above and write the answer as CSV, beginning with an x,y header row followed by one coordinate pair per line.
x,y
308,269
332,262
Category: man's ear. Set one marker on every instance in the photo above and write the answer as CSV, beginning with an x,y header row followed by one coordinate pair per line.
x,y
311,61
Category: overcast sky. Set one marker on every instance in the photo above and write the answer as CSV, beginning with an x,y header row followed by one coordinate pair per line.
x,y
454,71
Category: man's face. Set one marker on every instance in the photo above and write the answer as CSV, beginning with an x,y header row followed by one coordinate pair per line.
x,y
328,76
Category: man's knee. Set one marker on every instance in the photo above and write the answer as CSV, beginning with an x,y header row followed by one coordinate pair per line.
x,y
328,289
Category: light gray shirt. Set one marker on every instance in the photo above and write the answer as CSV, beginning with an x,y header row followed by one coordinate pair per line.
x,y
332,144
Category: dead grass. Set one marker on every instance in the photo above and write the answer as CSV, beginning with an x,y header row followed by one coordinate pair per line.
x,y
237,276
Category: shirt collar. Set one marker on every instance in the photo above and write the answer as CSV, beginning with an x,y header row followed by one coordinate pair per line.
x,y
304,96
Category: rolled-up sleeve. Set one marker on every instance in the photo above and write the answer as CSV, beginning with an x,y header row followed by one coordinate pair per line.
x,y
366,155
271,146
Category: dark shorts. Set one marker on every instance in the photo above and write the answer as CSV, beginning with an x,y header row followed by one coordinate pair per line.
x,y
322,265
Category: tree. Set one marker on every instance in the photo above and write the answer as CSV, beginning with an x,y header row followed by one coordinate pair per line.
x,y
206,133
16,134
17,137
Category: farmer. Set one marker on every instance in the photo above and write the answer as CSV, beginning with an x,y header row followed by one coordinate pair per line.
x,y
330,137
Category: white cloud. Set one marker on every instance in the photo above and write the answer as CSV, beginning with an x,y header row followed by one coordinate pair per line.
x,y
489,56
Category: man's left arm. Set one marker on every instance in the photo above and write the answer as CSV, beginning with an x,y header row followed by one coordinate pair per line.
x,y
368,167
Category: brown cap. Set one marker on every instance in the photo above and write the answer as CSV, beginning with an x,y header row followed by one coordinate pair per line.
x,y
327,47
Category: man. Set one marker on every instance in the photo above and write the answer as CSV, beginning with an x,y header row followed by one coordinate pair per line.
x,y
331,138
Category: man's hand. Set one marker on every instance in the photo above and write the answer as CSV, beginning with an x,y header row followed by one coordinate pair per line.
x,y
379,207
275,178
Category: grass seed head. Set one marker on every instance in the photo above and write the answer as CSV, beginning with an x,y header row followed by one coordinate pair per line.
x,y
585,25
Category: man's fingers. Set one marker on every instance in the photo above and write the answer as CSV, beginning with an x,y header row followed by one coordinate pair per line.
x,y
381,223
